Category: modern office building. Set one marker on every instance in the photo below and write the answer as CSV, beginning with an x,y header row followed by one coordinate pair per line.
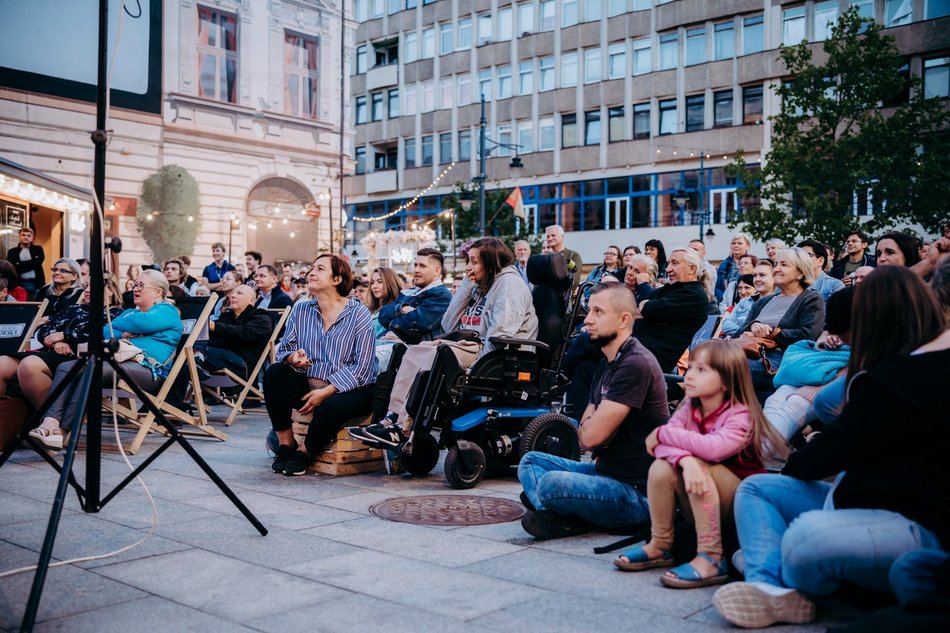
x,y
616,105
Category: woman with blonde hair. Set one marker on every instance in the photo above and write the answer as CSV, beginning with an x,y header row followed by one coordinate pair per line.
x,y
642,269
65,289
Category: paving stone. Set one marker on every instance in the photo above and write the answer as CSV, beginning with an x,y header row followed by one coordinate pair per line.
x,y
15,508
274,511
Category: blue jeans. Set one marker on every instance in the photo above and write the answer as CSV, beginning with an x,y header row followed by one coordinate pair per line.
x,y
788,540
829,403
574,488
914,576
763,381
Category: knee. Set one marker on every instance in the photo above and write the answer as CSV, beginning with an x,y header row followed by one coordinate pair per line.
x,y
661,471
800,550
275,375
553,484
30,367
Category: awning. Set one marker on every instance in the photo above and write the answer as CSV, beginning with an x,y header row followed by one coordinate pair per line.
x,y
42,190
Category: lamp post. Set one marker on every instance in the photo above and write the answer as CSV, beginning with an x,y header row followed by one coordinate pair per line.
x,y
327,196
451,216
482,154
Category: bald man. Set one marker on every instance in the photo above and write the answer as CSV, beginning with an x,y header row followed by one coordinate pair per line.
x,y
238,337
628,401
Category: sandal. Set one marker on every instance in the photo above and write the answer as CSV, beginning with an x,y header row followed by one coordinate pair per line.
x,y
49,438
638,560
688,577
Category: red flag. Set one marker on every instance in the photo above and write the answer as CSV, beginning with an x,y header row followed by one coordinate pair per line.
x,y
516,203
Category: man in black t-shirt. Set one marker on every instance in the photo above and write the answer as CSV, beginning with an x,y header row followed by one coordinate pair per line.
x,y
628,401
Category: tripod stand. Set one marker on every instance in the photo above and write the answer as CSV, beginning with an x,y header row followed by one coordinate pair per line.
x,y
86,378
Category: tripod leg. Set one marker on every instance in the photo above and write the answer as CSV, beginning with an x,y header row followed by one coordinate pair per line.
x,y
46,553
185,444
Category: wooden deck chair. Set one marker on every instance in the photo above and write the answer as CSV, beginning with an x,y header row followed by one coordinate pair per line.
x,y
194,319
18,322
228,379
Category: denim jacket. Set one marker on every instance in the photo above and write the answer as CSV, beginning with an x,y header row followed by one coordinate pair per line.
x,y
422,324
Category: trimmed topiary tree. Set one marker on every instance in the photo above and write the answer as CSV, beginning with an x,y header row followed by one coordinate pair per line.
x,y
168,198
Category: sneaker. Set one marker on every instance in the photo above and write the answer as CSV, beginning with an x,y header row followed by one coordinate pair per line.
x,y
382,433
545,525
753,605
298,464
526,502
284,453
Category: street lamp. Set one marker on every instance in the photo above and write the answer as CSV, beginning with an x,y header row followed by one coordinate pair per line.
x,y
515,164
327,196
451,215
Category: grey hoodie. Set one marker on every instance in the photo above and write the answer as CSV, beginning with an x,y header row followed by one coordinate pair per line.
x,y
508,308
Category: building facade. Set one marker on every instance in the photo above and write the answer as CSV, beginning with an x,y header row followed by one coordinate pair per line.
x,y
251,104
623,112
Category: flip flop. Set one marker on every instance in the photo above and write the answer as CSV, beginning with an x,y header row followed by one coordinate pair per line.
x,y
688,577
638,560
47,438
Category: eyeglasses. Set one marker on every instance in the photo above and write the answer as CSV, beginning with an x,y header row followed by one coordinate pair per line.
x,y
64,271
141,286
606,253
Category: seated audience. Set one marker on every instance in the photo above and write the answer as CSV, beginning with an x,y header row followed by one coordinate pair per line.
x,y
734,317
655,250
384,288
857,256
628,253
271,297
15,291
801,535
64,290
229,281
772,246
418,316
728,270
252,259
325,366
565,497
823,284
174,271
641,270
237,338
717,437
522,253
730,296
896,249
610,266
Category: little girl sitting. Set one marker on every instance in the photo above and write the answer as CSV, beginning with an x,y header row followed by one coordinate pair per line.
x,y
717,437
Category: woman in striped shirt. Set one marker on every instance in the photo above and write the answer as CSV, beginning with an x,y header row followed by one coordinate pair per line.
x,y
326,365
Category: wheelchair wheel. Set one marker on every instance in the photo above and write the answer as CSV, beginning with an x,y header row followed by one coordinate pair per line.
x,y
465,470
551,433
425,455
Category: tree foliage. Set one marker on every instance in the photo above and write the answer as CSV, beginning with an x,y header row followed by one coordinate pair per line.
x,y
170,196
848,128
500,218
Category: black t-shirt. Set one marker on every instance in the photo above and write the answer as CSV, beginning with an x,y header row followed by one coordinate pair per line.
x,y
633,379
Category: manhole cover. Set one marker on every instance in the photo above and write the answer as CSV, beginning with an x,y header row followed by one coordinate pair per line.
x,y
449,510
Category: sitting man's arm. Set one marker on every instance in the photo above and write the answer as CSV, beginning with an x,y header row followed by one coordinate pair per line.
x,y
426,315
599,424
390,311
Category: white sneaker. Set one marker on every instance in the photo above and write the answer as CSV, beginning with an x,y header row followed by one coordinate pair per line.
x,y
752,605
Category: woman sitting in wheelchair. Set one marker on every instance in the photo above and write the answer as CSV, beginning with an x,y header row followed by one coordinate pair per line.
x,y
493,301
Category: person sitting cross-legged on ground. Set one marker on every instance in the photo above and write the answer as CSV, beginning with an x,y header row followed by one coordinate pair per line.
x,y
417,316
803,536
325,365
493,301
716,438
627,403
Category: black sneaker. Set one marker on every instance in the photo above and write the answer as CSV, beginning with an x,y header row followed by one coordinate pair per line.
x,y
545,525
298,464
284,453
527,502
380,433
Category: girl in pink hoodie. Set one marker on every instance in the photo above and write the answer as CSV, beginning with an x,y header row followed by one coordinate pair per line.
x,y
717,437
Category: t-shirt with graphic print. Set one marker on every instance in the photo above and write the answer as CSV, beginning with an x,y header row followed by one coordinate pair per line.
x,y
472,317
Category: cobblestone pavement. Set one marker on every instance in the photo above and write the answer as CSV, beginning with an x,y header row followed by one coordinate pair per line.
x,y
326,565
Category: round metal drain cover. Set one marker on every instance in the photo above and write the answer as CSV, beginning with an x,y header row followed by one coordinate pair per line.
x,y
449,510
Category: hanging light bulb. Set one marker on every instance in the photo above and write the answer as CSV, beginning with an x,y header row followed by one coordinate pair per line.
x,y
292,234
270,225
285,220
191,218
277,210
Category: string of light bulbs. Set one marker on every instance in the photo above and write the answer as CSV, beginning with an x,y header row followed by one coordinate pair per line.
x,y
412,201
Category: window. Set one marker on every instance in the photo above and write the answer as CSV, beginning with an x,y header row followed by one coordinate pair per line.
x,y
504,138
359,10
504,24
642,63
395,6
526,77
386,53
616,7
376,110
361,160
903,95
377,8
568,69
793,26
865,8
936,9
724,40
592,71
753,35
361,59
504,81
464,34
445,147
359,111
484,28
547,15
695,46
668,116
642,5
300,76
379,161
409,153
695,113
428,43
428,96
616,61
525,137
826,14
937,78
897,12
411,102
545,74
217,55
484,84
526,18
465,89
616,131
568,12
411,46
722,108
427,149
546,134
446,92
568,130
592,128
669,49
465,145
411,4
752,105
446,39
593,10
641,120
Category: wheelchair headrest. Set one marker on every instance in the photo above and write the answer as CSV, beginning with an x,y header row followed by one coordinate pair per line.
x,y
549,268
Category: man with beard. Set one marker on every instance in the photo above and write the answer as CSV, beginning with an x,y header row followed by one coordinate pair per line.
x,y
628,401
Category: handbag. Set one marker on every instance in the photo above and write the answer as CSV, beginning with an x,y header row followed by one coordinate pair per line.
x,y
756,348
126,351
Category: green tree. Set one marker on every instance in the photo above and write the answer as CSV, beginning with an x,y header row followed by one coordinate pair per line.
x,y
847,127
168,198
499,217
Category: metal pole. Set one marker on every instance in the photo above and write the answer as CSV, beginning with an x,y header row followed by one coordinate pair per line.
x,y
481,170
455,248
330,213
702,193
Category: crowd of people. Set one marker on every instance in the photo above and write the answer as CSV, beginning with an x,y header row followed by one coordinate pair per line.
x,y
805,448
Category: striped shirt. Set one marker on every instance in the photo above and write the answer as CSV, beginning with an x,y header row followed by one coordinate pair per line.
x,y
344,355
